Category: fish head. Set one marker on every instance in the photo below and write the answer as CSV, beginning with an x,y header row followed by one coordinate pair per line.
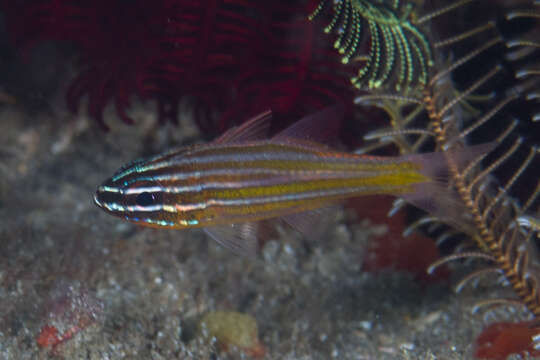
x,y
134,196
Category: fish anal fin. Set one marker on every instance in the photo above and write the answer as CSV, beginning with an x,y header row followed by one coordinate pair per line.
x,y
440,201
255,128
320,127
241,238
312,223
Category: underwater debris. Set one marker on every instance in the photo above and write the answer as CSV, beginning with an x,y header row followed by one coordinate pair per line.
x,y
69,310
48,336
231,328
392,250
411,254
500,340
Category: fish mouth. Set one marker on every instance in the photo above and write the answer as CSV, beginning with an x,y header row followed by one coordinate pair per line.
x,y
97,201
109,199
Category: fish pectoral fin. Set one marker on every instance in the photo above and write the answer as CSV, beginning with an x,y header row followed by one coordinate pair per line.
x,y
240,238
255,128
312,223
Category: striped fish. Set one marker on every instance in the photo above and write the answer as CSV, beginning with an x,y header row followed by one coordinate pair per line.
x,y
241,178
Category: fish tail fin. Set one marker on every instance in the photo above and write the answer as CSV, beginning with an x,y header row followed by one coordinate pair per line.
x,y
436,165
437,197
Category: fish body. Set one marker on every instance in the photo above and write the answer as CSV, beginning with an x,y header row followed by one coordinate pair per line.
x,y
239,179
230,183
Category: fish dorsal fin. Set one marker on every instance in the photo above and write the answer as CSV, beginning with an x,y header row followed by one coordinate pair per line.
x,y
321,127
240,238
255,128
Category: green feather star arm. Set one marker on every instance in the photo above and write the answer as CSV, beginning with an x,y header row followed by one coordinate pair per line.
x,y
399,54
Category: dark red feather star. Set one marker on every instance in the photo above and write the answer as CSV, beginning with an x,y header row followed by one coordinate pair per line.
x,y
235,57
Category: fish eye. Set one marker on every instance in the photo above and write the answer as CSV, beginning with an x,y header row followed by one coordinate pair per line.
x,y
145,199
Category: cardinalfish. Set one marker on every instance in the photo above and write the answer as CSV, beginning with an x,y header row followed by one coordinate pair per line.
x,y
243,177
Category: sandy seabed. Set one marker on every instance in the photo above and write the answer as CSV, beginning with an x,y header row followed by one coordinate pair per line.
x,y
128,292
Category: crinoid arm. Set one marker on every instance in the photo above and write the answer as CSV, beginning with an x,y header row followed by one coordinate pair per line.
x,y
494,102
399,53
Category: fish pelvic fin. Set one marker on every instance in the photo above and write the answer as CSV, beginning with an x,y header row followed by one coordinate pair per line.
x,y
242,238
